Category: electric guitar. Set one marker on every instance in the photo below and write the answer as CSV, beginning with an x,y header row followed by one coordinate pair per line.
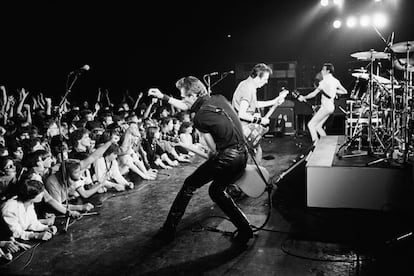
x,y
254,132
295,94
250,183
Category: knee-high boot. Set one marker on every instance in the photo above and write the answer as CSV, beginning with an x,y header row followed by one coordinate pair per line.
x,y
227,205
177,211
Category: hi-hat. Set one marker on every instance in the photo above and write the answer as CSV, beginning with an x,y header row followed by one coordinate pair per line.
x,y
368,55
401,63
403,47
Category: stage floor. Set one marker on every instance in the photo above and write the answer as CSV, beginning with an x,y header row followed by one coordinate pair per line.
x,y
296,241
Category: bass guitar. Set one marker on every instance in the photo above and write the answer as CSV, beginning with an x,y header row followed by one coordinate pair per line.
x,y
295,94
254,132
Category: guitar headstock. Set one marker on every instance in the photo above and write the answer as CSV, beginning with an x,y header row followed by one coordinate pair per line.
x,y
295,94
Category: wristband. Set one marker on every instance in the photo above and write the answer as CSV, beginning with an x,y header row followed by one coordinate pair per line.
x,y
165,98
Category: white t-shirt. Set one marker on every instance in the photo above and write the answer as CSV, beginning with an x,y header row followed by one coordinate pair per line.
x,y
245,91
329,84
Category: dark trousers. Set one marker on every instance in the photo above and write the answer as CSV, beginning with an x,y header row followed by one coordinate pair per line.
x,y
223,169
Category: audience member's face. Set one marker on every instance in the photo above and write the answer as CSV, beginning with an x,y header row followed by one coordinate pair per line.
x,y
157,135
76,174
40,164
108,120
2,141
112,156
53,130
177,126
18,153
24,135
89,117
165,113
85,140
189,129
38,146
47,161
186,118
170,125
38,198
9,169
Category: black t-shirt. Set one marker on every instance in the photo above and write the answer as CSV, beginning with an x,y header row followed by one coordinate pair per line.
x,y
208,119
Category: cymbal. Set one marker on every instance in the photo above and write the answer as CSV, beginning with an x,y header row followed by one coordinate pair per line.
x,y
401,62
403,47
361,70
381,80
364,76
368,55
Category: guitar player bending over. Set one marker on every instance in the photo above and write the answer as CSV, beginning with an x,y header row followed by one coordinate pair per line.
x,y
245,100
221,128
329,86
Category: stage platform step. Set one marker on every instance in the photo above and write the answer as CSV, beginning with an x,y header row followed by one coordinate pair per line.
x,y
334,182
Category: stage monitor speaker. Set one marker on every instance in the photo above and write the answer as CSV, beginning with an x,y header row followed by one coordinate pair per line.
x,y
285,116
291,184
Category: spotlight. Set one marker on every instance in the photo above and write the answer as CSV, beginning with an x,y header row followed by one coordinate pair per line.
x,y
351,21
377,0
379,20
324,3
364,21
338,2
337,24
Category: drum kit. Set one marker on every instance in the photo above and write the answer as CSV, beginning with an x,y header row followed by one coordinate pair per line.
x,y
380,111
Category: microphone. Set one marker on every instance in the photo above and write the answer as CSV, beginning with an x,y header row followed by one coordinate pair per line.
x,y
84,68
228,72
211,74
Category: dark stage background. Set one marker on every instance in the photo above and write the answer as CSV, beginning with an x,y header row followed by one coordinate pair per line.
x,y
135,46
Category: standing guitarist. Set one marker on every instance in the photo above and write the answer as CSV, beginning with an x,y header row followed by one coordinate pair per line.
x,y
329,87
245,100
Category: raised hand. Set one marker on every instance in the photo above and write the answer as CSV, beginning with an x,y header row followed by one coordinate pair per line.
x,y
155,92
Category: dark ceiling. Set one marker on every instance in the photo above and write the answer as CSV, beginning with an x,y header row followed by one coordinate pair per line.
x,y
134,46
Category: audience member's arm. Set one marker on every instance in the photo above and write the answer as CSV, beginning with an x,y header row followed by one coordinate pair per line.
x,y
23,96
48,106
147,112
4,98
97,153
137,101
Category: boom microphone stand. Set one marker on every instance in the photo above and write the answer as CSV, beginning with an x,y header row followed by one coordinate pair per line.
x,y
68,89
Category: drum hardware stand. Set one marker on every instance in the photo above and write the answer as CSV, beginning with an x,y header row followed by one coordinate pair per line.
x,y
388,44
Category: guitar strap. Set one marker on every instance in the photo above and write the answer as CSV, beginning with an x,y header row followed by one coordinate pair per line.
x,y
240,136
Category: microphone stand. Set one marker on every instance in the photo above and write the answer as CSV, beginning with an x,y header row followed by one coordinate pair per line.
x,y
222,77
63,162
207,80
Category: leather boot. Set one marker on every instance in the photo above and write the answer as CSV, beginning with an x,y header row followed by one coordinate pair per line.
x,y
167,231
227,205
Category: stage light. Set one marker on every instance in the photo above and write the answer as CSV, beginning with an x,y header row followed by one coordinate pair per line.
x,y
377,0
337,24
324,3
351,21
379,20
365,21
338,2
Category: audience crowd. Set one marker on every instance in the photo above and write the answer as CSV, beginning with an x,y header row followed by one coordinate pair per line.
x,y
56,158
